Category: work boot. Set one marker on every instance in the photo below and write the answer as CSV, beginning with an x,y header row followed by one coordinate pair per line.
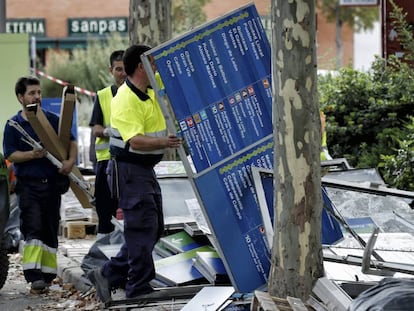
x,y
38,287
103,289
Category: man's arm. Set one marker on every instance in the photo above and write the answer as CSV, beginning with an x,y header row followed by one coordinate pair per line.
x,y
13,152
148,143
24,156
98,128
100,131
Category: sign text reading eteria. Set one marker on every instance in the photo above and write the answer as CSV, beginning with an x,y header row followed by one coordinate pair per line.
x,y
32,26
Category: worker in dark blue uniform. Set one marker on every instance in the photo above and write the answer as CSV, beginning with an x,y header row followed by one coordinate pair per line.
x,y
38,189
138,142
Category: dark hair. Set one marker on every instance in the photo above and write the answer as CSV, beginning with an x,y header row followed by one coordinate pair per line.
x,y
116,56
132,57
23,82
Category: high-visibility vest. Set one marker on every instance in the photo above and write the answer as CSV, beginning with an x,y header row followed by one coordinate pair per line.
x,y
324,152
102,143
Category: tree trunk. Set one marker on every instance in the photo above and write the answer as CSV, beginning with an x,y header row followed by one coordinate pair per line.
x,y
297,250
149,22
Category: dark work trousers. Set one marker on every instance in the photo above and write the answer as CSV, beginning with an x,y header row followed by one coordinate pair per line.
x,y
105,205
39,204
141,203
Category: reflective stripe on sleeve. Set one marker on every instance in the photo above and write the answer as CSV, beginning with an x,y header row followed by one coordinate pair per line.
x,y
117,142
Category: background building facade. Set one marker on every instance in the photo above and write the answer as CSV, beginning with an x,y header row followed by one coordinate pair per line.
x,y
66,24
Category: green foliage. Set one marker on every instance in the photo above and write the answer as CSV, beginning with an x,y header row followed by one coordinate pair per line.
x,y
85,68
399,167
370,115
367,113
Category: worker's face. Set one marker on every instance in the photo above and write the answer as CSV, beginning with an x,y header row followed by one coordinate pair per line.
x,y
33,95
153,67
152,62
118,71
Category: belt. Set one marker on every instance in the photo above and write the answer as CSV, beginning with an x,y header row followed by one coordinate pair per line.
x,y
35,180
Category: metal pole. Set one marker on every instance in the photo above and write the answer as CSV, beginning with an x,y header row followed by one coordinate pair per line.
x,y
33,54
2,16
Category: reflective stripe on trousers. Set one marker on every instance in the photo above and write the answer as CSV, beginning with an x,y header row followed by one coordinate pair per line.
x,y
37,255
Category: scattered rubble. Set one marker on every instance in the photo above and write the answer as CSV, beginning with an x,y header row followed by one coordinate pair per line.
x,y
59,297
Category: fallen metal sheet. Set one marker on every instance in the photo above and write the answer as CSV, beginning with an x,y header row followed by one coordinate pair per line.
x,y
334,297
353,289
372,188
336,164
209,298
169,296
342,262
374,264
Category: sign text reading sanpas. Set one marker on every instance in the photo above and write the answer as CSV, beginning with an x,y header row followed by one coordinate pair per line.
x,y
97,26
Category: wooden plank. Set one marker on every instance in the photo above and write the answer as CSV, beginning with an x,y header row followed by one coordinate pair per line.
x,y
263,301
46,132
296,304
78,229
316,305
64,133
51,142
66,114
81,195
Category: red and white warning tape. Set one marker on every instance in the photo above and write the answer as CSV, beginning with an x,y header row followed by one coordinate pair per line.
x,y
64,83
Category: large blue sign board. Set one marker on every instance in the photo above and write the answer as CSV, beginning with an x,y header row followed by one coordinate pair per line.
x,y
217,79
263,181
231,205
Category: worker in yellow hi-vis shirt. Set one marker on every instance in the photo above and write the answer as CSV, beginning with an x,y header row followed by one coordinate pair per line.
x,y
324,152
138,142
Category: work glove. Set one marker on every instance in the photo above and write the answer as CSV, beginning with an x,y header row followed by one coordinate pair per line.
x,y
107,132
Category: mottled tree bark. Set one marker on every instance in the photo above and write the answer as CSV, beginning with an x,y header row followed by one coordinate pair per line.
x,y
297,260
149,22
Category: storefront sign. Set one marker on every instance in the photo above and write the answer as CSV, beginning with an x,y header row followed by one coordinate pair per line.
x,y
97,26
31,26
358,2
